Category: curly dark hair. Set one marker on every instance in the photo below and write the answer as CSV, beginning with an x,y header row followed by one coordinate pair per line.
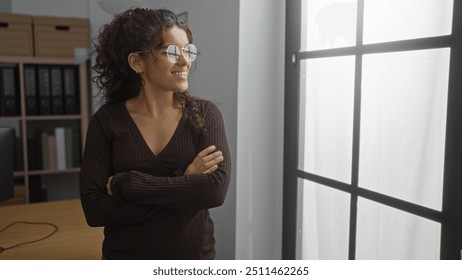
x,y
131,31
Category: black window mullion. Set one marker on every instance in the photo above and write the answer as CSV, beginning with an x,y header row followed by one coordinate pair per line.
x,y
390,201
385,47
356,132
451,229
291,127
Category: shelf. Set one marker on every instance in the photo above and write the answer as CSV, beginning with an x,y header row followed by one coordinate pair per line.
x,y
29,126
18,174
41,118
53,117
49,172
36,60
10,118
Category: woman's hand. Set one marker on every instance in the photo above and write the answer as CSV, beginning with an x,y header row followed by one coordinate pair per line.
x,y
205,162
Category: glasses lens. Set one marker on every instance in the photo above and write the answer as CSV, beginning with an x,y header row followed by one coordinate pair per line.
x,y
191,52
173,52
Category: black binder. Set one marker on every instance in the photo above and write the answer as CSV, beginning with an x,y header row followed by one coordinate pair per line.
x,y
76,151
71,89
6,163
44,90
37,191
9,90
30,90
19,154
57,106
34,143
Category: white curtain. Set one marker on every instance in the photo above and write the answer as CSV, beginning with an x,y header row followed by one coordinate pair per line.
x,y
403,119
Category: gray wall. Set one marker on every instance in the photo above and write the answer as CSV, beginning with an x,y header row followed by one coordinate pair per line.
x,y
64,8
241,69
5,6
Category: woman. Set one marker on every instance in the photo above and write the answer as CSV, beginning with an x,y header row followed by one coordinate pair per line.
x,y
156,159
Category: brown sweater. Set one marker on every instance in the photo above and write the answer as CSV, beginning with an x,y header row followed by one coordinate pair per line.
x,y
156,212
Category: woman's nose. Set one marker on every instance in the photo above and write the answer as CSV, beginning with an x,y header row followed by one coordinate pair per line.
x,y
183,59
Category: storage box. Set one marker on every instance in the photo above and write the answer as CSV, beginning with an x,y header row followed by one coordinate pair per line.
x,y
58,37
16,35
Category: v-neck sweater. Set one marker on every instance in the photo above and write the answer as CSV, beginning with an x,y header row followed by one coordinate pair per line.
x,y
155,212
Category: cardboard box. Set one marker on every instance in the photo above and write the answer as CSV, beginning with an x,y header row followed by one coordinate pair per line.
x,y
16,35
58,37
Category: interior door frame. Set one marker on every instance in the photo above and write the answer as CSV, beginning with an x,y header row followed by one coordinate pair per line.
x,y
450,216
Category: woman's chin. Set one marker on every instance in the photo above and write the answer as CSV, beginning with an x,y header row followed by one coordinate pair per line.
x,y
182,88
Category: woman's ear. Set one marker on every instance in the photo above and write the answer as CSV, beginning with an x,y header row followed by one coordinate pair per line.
x,y
136,62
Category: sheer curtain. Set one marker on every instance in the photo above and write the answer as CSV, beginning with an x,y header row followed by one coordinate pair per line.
x,y
402,128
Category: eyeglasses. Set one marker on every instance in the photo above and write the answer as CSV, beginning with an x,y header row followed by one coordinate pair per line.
x,y
173,52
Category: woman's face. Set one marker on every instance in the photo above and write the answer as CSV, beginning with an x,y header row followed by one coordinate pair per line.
x,y
162,75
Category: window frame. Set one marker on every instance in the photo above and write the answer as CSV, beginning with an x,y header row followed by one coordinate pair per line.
x,y
450,216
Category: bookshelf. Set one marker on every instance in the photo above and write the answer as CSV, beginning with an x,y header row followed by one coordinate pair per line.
x,y
73,122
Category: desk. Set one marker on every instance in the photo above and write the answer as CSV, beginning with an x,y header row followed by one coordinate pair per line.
x,y
75,240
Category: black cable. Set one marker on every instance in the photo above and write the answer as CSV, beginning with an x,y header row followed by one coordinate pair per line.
x,y
28,242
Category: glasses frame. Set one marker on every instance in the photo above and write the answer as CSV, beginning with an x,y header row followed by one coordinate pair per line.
x,y
174,54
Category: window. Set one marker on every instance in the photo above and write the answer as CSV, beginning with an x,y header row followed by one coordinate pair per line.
x,y
372,164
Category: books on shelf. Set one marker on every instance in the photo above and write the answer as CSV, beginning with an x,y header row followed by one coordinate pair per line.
x,y
9,90
68,145
44,90
46,101
52,152
48,90
71,96
18,153
30,90
51,90
59,150
57,96
37,191
44,151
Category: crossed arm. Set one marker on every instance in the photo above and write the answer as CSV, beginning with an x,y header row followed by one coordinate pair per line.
x,y
205,162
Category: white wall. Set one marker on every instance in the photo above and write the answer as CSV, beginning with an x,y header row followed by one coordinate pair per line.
x,y
260,129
